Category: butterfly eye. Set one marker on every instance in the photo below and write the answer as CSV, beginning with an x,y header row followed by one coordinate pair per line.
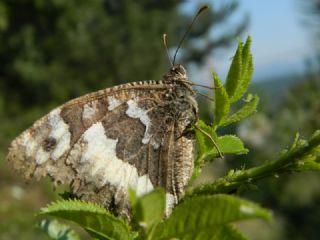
x,y
176,71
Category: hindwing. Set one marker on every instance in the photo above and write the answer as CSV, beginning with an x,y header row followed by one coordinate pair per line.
x,y
133,135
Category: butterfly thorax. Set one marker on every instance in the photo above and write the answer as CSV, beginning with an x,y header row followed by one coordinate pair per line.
x,y
183,91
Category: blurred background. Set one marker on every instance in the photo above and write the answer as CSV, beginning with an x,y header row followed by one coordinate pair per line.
x,y
55,50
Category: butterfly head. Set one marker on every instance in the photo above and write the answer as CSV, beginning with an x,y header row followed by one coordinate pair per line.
x,y
177,72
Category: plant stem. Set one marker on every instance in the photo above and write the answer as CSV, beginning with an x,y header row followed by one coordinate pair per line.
x,y
233,181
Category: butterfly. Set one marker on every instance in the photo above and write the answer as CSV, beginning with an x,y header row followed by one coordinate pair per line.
x,y
136,135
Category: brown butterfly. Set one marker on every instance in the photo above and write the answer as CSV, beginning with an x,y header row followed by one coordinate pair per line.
x,y
134,135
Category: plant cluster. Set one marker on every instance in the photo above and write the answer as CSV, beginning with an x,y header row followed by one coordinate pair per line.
x,y
208,210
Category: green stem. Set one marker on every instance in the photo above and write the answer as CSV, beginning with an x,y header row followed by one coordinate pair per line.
x,y
270,168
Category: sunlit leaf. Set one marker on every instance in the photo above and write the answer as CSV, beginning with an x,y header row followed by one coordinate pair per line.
x,y
245,111
207,214
204,145
246,70
221,102
93,218
229,144
149,209
234,75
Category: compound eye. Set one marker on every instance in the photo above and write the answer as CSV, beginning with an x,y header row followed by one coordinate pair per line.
x,y
176,71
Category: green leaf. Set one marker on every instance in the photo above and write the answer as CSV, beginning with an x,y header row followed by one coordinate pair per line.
x,y
225,232
221,102
208,214
95,219
221,232
58,231
202,148
204,145
243,112
229,144
149,209
235,73
240,72
246,71
132,196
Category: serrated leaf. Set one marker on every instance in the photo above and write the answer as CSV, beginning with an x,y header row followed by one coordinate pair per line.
x,y
206,213
229,144
240,72
221,232
243,112
204,145
221,102
58,231
246,71
228,232
234,75
204,142
149,209
246,55
94,218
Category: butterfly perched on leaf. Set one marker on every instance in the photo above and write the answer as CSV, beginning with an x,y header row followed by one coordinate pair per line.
x,y
136,135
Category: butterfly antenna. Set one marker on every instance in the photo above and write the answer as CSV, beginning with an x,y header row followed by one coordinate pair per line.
x,y
164,37
188,30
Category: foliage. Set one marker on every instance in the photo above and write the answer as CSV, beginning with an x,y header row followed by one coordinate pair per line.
x,y
204,217
303,155
95,219
208,217
206,212
299,199
237,82
148,210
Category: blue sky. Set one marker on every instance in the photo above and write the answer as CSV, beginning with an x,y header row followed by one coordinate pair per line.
x,y
280,41
279,38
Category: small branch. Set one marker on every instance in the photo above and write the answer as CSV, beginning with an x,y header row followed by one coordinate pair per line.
x,y
233,181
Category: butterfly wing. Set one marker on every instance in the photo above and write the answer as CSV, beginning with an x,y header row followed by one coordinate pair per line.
x,y
132,135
